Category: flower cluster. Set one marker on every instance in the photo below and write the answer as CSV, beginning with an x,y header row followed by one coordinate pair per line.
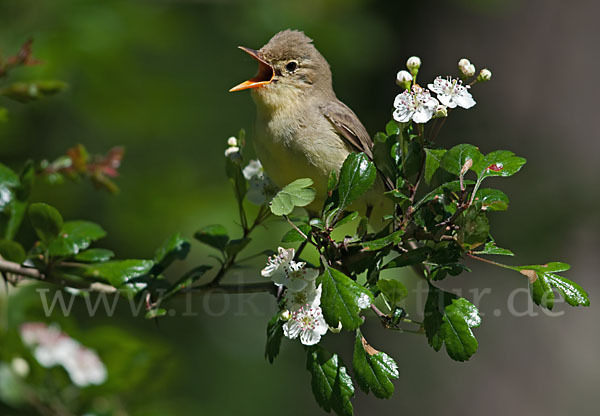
x,y
261,188
416,103
302,296
52,347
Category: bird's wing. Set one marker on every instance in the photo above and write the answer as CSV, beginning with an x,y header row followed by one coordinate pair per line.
x,y
348,126
351,130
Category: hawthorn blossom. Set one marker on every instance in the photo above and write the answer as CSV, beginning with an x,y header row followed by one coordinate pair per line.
x,y
308,323
52,347
284,271
364,301
310,295
452,93
261,187
416,104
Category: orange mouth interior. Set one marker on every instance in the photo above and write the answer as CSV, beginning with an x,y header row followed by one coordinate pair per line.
x,y
264,75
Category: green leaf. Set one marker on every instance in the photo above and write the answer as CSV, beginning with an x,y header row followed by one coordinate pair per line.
x,y
498,163
330,382
357,175
474,228
293,236
174,248
75,236
340,298
213,235
295,194
373,369
391,128
409,258
8,177
30,91
46,221
12,251
542,279
492,248
348,218
118,272
188,279
433,157
492,199
454,159
453,186
274,337
440,271
94,255
393,290
393,238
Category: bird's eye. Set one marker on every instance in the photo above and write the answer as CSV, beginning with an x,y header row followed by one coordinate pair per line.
x,y
291,66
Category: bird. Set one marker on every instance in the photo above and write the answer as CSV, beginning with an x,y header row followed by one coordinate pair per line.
x,y
302,129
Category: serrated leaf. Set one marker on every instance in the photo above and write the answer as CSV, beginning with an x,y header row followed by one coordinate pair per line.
x,y
357,175
46,221
330,382
454,159
492,199
213,235
491,248
498,163
118,272
340,299
295,194
293,236
378,244
12,251
75,236
433,157
174,248
274,337
373,369
393,290
94,255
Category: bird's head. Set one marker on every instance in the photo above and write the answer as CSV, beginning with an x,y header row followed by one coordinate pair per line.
x,y
289,66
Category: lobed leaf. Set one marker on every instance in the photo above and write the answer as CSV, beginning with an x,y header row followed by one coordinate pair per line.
x,y
295,194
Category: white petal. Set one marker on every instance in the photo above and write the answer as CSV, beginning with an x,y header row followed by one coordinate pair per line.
x,y
446,100
310,337
310,274
422,115
295,285
291,329
364,301
402,115
465,100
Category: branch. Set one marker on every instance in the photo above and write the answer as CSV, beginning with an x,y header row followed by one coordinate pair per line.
x,y
15,268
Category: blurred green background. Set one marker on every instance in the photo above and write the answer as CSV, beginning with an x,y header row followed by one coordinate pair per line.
x,y
153,75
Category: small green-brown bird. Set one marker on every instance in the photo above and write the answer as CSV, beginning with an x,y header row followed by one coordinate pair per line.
x,y
302,129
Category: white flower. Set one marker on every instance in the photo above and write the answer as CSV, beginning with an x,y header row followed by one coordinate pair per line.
x,y
413,64
310,295
232,142
417,104
261,187
403,79
283,270
364,301
308,322
52,347
484,75
451,92
233,153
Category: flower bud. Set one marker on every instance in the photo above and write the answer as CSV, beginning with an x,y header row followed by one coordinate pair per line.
x,y
413,64
403,79
470,71
233,153
285,315
463,63
466,67
441,111
232,141
484,75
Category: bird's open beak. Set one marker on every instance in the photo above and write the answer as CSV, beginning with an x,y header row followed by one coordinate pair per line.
x,y
264,76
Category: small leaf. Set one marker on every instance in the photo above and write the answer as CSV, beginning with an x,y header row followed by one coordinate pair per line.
x,y
455,158
94,255
8,177
293,236
357,175
340,298
474,228
233,247
174,248
188,279
214,236
390,239
12,251
348,218
46,221
295,194
75,236
409,258
274,336
498,163
373,369
118,272
433,157
492,248
492,199
393,290
391,128
330,382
